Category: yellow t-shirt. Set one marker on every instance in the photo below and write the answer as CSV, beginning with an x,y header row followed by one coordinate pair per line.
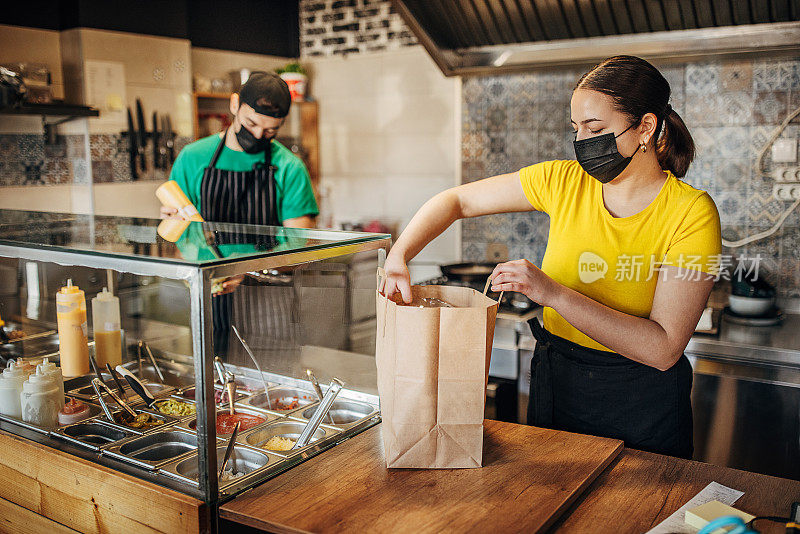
x,y
616,261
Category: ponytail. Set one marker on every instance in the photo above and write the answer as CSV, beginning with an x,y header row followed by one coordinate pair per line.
x,y
675,147
638,88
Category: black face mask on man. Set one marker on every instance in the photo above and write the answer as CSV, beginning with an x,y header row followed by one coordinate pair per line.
x,y
249,142
600,158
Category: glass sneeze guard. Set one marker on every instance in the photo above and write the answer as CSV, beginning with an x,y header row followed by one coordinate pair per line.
x,y
196,253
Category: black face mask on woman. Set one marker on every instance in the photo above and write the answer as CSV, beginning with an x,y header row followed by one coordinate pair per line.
x,y
250,143
600,158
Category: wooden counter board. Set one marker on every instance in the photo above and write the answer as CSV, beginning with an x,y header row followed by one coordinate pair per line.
x,y
641,489
74,493
530,476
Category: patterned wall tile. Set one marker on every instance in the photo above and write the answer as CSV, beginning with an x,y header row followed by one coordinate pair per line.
x,y
736,76
730,107
736,108
770,108
702,79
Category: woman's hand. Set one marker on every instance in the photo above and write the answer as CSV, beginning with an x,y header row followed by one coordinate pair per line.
x,y
524,277
397,278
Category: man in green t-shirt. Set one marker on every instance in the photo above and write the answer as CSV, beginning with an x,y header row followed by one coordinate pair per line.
x,y
244,176
259,111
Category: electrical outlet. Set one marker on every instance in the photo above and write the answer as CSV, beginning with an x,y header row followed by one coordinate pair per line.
x,y
786,174
786,191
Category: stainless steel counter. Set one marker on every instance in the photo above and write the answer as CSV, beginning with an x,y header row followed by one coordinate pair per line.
x,y
777,345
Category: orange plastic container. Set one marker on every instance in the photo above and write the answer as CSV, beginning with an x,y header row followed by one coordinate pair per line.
x,y
172,196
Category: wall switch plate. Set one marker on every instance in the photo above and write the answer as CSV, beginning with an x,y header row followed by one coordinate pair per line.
x,y
784,151
790,191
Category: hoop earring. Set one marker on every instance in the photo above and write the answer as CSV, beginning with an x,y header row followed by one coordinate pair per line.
x,y
644,147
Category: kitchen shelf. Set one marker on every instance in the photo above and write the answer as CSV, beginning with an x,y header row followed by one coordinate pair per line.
x,y
51,110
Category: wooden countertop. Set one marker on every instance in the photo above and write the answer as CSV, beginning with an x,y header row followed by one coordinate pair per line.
x,y
349,488
523,487
640,489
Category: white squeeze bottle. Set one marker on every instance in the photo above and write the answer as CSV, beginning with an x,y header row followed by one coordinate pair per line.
x,y
10,387
53,372
39,400
107,333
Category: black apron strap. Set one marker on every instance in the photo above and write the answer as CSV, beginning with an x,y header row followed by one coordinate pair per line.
x,y
540,404
218,151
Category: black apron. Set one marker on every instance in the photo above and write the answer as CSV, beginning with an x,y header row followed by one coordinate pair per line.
x,y
602,393
244,197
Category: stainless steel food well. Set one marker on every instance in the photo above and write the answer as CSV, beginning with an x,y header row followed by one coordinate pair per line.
x,y
179,399
345,413
81,388
286,429
188,394
189,423
244,460
168,420
154,450
92,434
281,398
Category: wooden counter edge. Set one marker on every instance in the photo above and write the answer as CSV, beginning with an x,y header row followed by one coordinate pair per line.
x,y
89,497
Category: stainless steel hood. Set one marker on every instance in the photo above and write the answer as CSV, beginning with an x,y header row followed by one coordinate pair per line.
x,y
483,36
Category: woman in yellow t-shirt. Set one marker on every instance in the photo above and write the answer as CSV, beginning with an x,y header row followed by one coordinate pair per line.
x,y
630,262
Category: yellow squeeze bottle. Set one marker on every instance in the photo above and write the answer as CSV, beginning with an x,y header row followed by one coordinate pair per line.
x,y
107,331
72,330
172,196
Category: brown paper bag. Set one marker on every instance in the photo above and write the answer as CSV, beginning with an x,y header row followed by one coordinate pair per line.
x,y
433,366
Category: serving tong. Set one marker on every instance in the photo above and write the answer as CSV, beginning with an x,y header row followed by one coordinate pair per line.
x,y
229,449
322,410
98,384
146,347
318,389
228,380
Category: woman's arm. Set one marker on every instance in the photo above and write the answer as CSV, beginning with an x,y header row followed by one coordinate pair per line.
x,y
498,194
657,341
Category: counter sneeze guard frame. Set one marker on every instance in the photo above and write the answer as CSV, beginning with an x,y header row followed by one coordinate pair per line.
x,y
24,235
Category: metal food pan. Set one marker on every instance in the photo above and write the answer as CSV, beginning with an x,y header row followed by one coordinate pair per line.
x,y
92,434
345,413
280,396
168,420
177,398
189,423
176,375
81,388
243,460
283,428
153,450
188,394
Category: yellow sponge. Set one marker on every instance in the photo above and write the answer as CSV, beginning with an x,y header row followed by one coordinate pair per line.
x,y
705,513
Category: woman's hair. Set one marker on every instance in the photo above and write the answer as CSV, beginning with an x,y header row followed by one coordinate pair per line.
x,y
637,88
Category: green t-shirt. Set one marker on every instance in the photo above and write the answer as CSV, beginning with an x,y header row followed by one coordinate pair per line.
x,y
293,184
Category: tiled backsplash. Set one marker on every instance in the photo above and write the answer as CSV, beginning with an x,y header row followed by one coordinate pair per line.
x,y
332,27
25,159
730,107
